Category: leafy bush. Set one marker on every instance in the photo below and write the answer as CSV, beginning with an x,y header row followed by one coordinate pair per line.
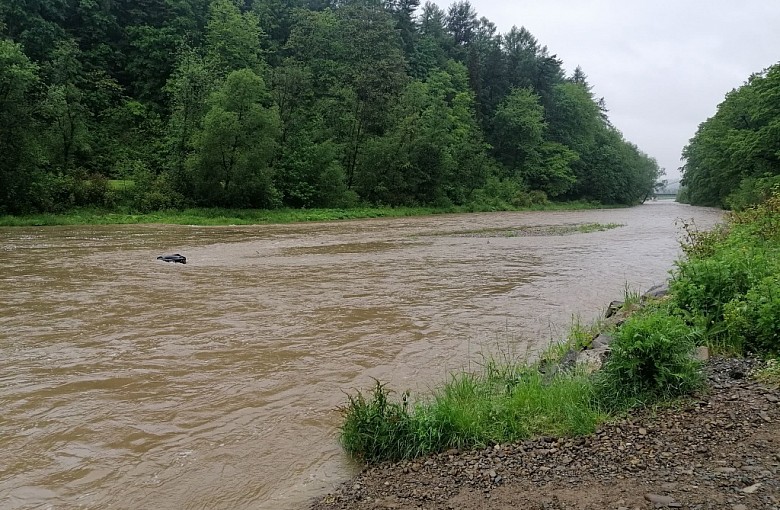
x,y
704,286
753,322
752,191
650,361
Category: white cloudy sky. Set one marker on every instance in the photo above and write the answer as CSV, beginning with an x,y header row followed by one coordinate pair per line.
x,y
661,65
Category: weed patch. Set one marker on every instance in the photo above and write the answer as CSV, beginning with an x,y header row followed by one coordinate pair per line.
x,y
650,361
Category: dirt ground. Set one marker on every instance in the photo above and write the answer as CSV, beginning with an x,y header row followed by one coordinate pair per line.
x,y
720,451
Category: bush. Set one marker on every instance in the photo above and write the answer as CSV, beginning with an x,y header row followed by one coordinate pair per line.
x,y
650,361
752,191
753,322
704,286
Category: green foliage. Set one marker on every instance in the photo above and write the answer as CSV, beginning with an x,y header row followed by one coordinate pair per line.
x,y
503,403
753,321
704,286
376,428
727,286
434,153
233,151
650,360
550,171
519,128
752,191
18,79
375,104
501,194
233,38
733,159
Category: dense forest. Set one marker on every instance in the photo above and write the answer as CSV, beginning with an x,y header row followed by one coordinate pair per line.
x,y
158,104
734,159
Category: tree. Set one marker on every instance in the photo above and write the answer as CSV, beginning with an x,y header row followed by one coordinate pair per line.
x,y
355,56
232,38
189,87
18,79
518,128
231,162
462,22
434,154
737,146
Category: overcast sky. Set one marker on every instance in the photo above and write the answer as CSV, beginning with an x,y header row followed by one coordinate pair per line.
x,y
662,66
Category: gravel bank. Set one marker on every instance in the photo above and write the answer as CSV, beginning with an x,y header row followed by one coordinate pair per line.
x,y
721,451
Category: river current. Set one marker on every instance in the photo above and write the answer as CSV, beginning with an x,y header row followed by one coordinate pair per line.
x,y
127,382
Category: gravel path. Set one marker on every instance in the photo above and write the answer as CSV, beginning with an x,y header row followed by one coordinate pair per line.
x,y
722,451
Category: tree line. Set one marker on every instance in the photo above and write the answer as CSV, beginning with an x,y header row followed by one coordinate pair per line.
x,y
733,160
294,103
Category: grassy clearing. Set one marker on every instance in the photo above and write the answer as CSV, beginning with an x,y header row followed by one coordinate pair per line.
x,y
217,216
120,184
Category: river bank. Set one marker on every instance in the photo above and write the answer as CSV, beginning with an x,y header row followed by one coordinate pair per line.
x,y
720,449
647,384
217,216
217,383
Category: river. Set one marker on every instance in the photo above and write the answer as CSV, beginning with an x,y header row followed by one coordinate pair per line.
x,y
127,382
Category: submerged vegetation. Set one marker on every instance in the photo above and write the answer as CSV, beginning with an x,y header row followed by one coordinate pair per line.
x,y
724,295
302,104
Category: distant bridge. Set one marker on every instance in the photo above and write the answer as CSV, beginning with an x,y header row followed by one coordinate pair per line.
x,y
668,191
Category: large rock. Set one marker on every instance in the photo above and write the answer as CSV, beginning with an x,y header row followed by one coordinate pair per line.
x,y
656,291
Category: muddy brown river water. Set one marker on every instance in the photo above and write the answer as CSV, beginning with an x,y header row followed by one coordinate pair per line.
x,y
128,383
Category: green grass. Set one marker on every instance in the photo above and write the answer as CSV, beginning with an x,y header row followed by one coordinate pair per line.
x,y
218,216
509,400
500,404
120,184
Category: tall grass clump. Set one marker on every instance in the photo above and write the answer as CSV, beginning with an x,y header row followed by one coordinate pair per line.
x,y
651,361
502,403
376,428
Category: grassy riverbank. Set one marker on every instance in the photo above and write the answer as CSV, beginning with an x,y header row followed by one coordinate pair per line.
x,y
723,294
216,216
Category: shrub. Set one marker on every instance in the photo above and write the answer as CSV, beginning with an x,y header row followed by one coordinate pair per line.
x,y
752,191
753,322
704,286
650,361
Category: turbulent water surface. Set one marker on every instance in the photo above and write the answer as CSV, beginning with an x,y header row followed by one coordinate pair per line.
x,y
126,382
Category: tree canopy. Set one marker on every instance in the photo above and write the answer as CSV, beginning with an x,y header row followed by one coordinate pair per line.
x,y
306,103
734,158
